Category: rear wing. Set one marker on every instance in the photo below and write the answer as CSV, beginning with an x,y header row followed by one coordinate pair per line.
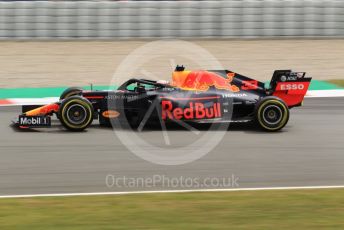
x,y
290,86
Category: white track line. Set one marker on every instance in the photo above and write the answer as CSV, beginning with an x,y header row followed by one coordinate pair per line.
x,y
325,93
170,191
33,101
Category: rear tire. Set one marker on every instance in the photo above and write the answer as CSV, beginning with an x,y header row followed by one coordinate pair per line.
x,y
272,114
76,113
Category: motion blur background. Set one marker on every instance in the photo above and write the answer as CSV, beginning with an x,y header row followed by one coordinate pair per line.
x,y
252,37
182,19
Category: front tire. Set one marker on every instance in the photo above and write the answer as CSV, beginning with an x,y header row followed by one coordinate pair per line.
x,y
76,113
72,91
272,114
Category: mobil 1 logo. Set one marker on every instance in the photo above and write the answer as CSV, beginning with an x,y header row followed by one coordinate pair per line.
x,y
34,121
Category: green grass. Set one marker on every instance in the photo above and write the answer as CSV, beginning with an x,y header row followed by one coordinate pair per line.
x,y
284,209
339,82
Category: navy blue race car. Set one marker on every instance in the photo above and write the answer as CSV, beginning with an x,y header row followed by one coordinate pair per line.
x,y
201,96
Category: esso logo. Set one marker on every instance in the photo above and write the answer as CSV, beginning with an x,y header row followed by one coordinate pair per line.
x,y
292,87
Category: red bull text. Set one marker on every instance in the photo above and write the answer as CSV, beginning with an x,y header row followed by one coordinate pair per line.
x,y
196,110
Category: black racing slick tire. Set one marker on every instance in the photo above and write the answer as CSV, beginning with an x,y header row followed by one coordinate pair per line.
x,y
272,114
76,113
72,91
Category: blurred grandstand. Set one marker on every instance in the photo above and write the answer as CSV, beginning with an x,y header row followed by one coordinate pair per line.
x,y
186,19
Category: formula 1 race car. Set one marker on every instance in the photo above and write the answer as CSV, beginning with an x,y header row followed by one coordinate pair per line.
x,y
212,96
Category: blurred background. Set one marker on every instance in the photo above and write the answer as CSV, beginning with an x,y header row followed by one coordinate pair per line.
x,y
186,19
76,42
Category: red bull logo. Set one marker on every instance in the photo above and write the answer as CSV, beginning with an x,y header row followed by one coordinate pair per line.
x,y
195,110
203,80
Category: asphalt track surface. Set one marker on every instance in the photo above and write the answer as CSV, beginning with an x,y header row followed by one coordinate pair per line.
x,y
308,152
